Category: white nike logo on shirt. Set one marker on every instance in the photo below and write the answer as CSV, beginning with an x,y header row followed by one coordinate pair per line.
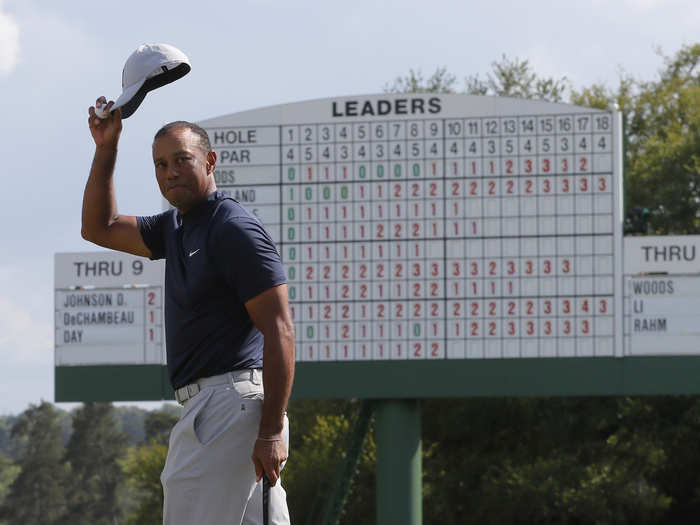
x,y
192,253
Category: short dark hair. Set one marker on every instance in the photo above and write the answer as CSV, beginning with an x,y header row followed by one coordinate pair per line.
x,y
194,128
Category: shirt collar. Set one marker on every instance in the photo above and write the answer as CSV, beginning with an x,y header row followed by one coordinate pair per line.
x,y
199,209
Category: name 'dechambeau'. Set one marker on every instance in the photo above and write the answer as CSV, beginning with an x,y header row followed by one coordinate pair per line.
x,y
394,106
99,318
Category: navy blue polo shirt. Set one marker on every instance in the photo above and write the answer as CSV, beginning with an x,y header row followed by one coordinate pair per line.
x,y
218,256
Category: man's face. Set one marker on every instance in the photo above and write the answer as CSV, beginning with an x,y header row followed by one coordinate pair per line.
x,y
183,169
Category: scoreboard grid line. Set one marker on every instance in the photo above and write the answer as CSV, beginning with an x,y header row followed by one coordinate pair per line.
x,y
445,342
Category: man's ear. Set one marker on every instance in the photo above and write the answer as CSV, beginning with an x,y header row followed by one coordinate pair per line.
x,y
211,162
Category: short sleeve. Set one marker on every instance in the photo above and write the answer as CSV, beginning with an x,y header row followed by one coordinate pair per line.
x,y
246,256
151,229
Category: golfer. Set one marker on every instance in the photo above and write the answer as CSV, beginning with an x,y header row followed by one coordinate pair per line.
x,y
230,339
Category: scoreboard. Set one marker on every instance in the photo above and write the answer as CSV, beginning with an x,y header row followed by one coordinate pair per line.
x,y
433,227
434,246
108,309
662,296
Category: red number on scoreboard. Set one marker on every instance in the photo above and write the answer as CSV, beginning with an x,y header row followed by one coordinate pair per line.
x,y
585,326
417,350
492,329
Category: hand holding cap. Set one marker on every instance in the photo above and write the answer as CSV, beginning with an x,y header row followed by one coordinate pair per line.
x,y
149,67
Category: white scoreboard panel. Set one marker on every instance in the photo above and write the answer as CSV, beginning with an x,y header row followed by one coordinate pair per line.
x,y
108,309
426,226
662,295
661,315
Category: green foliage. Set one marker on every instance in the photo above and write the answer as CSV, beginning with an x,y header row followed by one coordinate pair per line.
x,y
320,432
508,78
37,494
158,425
8,473
130,421
515,78
92,453
142,467
439,82
662,171
540,461
7,445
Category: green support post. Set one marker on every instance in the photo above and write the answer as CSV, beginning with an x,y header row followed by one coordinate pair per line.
x,y
399,470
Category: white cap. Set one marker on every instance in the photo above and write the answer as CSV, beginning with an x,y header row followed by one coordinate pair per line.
x,y
149,67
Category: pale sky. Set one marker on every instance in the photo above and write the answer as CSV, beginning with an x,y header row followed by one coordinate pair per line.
x,y
57,57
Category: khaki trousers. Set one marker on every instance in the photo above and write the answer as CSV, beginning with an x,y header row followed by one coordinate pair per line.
x,y
209,477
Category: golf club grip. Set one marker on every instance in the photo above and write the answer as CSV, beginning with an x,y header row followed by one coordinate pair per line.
x,y
265,499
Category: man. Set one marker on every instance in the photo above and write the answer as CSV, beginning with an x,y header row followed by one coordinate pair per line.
x,y
226,308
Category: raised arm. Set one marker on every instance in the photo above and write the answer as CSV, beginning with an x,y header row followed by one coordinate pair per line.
x,y
269,311
101,222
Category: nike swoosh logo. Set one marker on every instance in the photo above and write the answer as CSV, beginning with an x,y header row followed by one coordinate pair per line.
x,y
192,253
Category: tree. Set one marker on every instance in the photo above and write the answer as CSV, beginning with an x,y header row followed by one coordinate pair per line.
x,y
158,425
316,457
130,421
439,82
8,473
142,467
515,78
37,494
7,446
92,453
508,78
662,171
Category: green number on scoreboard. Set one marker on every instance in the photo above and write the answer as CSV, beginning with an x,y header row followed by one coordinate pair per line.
x,y
416,330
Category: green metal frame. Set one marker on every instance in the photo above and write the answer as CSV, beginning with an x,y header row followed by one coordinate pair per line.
x,y
577,376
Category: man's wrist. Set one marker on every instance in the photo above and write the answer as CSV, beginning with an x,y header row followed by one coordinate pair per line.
x,y
269,439
270,431
106,149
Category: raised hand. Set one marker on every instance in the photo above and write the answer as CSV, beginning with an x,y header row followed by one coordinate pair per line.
x,y
105,131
